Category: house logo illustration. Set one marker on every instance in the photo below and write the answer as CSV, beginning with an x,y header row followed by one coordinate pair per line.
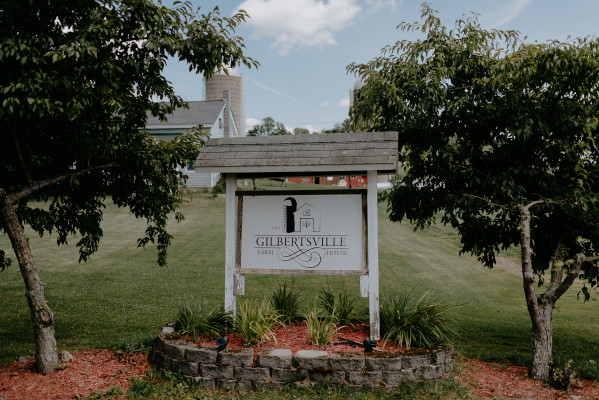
x,y
305,219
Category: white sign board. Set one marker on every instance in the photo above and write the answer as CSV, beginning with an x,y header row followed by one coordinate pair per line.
x,y
307,232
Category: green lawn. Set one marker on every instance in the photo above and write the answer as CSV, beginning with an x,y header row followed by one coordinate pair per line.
x,y
122,297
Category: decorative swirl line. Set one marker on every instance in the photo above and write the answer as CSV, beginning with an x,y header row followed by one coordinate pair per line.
x,y
307,258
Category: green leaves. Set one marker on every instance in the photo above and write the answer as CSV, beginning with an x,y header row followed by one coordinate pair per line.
x,y
487,122
287,303
5,262
585,292
78,81
268,127
321,329
199,319
256,322
340,309
420,323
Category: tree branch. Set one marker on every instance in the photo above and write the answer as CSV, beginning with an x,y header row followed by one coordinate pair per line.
x,y
532,204
579,259
518,206
557,272
39,185
460,87
489,202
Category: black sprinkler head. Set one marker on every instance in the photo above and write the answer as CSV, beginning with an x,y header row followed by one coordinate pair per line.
x,y
368,344
222,343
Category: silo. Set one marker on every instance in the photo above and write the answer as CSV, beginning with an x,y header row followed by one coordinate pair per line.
x,y
234,83
359,84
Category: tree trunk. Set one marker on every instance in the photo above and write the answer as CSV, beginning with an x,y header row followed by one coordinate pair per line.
x,y
539,309
46,358
542,343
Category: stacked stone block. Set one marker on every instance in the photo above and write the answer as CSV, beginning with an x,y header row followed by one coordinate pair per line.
x,y
275,368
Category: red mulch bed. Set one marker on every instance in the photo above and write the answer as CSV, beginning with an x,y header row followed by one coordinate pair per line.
x,y
96,370
504,380
295,337
89,371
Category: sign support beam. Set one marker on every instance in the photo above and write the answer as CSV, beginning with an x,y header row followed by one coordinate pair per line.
x,y
373,257
230,243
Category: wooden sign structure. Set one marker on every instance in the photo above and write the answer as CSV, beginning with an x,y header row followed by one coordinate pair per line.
x,y
302,232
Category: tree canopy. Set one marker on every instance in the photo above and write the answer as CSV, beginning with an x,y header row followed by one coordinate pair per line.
x,y
78,79
340,127
301,131
268,127
495,133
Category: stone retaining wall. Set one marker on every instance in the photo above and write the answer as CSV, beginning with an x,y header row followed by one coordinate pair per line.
x,y
275,368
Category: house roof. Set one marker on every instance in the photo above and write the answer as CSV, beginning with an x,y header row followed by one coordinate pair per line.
x,y
299,154
200,112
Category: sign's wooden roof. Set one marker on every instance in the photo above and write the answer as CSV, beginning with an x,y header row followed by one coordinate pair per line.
x,y
299,154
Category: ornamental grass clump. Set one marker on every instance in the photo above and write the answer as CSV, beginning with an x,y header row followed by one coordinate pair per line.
x,y
321,330
341,308
411,323
287,303
199,319
256,322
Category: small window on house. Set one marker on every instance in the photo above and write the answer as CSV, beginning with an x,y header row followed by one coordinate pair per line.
x,y
305,179
190,166
342,178
353,177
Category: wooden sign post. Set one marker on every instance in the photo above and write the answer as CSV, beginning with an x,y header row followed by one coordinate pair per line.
x,y
321,232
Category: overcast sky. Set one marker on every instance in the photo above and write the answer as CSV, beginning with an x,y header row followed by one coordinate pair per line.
x,y
304,46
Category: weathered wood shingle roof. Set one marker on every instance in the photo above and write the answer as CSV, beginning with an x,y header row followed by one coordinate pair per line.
x,y
289,154
199,112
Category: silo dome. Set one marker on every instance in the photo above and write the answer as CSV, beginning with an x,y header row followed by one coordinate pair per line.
x,y
358,84
228,71
229,79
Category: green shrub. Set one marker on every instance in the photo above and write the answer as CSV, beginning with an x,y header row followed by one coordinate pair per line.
x,y
562,378
220,187
255,322
114,392
411,323
341,308
133,345
287,303
200,319
321,330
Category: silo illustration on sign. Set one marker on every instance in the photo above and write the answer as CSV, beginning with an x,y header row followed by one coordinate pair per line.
x,y
290,209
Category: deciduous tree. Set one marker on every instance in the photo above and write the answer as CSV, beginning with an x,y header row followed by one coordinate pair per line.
x,y
499,139
268,127
78,78
342,127
301,131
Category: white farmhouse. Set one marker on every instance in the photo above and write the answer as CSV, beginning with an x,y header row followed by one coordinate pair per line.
x,y
216,118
